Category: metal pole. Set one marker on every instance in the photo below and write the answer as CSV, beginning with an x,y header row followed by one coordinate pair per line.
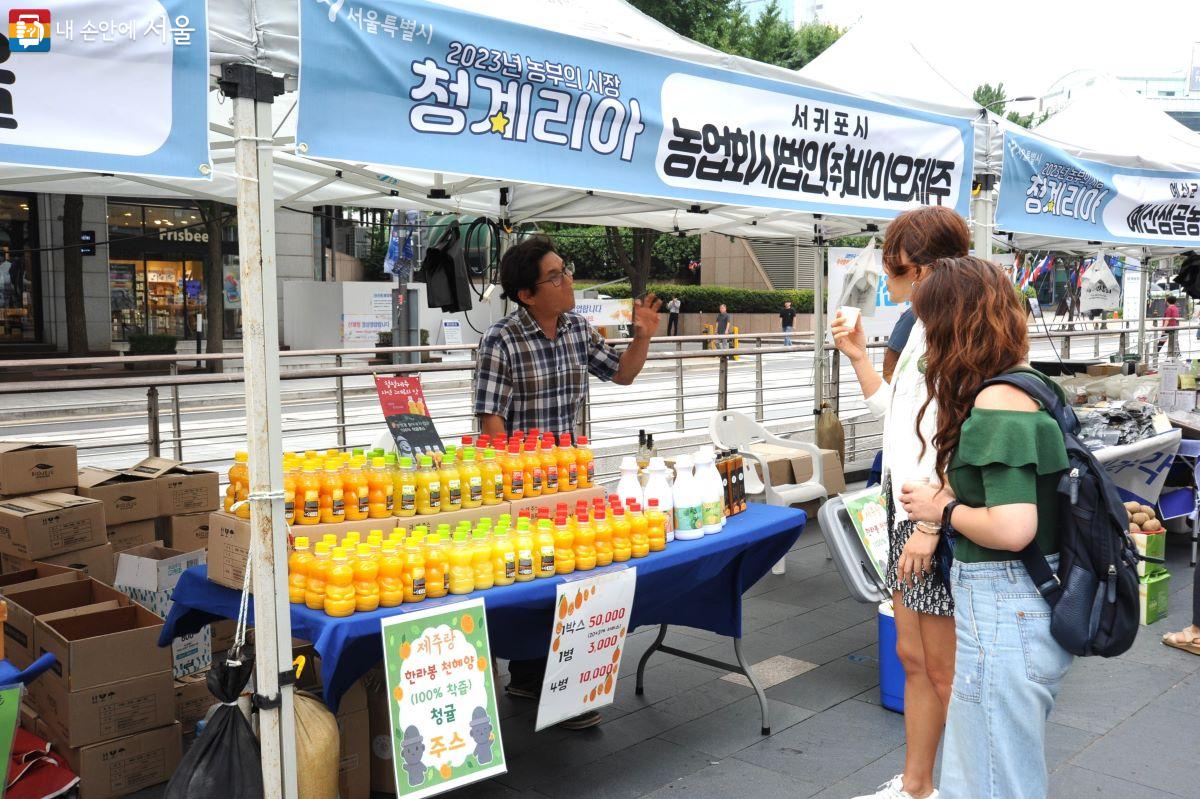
x,y
819,322
679,406
835,379
758,381
176,416
154,436
339,384
253,92
723,384
1145,292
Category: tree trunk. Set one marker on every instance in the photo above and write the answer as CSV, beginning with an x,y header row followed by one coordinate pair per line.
x,y
214,283
637,263
77,342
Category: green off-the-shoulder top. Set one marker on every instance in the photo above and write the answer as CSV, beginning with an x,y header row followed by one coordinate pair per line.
x,y
1008,458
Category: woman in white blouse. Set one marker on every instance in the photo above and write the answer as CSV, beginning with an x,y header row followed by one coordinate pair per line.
x,y
924,609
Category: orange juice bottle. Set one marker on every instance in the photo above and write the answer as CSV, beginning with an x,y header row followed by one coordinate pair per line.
x,y
462,564
604,538
549,467
585,545
318,572
391,575
366,580
622,535
339,585
514,473
472,479
429,488
239,483
333,496
414,571
391,467
451,484
568,464
586,461
564,546
493,478
289,491
437,567
481,560
527,553
544,561
379,490
404,489
354,490
655,528
534,473
308,494
298,563
504,558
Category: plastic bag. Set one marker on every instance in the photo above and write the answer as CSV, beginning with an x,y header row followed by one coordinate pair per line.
x,y
225,760
830,434
318,747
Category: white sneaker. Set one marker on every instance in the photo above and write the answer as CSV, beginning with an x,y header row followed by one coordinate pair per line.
x,y
894,789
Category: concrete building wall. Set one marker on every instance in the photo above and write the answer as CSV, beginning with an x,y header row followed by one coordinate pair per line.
x,y
730,262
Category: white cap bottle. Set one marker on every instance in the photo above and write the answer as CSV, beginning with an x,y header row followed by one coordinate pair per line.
x,y
658,486
689,524
629,487
712,495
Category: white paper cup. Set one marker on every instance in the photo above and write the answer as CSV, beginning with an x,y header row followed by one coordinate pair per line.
x,y
850,314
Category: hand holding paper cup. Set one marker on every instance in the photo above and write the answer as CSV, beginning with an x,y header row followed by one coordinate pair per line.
x,y
850,315
848,334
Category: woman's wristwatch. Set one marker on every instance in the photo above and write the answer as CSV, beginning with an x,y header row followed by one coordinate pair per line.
x,y
947,512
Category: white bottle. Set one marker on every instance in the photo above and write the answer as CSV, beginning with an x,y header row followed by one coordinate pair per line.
x,y
689,524
629,487
658,486
712,497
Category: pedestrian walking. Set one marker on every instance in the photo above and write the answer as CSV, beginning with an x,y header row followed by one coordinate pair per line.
x,y
723,325
787,319
673,316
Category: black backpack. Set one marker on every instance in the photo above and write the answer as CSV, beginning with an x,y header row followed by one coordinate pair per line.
x,y
1093,599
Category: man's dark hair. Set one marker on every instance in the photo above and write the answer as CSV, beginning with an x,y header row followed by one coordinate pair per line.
x,y
1170,299
521,266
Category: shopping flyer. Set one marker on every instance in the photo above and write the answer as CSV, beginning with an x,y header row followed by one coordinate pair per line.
x,y
407,415
591,618
441,699
868,511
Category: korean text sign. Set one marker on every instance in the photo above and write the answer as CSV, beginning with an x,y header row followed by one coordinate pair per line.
x,y
453,91
65,93
1047,191
441,699
407,415
591,618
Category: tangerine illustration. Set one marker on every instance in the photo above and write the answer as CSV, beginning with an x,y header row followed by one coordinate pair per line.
x,y
558,629
622,632
554,646
405,650
481,664
578,600
468,623
616,654
562,608
398,694
608,683
445,771
592,696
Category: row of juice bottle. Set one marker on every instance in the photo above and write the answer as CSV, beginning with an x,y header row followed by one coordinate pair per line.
x,y
341,487
342,577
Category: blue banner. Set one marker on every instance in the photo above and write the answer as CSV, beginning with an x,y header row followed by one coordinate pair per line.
x,y
414,84
1046,191
107,86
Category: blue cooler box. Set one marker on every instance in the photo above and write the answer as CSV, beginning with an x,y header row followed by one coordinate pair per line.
x,y
891,673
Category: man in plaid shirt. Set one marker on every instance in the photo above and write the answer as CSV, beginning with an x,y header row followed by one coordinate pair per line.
x,y
533,368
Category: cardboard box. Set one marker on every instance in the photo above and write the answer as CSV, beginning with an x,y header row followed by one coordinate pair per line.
x,y
95,562
187,532
180,489
1155,592
222,634
354,767
228,548
569,497
1151,545
125,765
148,575
53,602
133,534
789,466
832,476
126,498
80,718
379,725
50,524
1105,369
104,647
779,462
38,575
192,700
29,468
28,719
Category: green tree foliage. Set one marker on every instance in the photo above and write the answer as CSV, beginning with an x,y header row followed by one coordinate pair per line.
x,y
993,98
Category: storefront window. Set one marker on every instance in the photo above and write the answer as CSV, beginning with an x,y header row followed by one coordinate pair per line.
x,y
20,271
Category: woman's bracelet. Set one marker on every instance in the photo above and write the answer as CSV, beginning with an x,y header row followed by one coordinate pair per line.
x,y
929,528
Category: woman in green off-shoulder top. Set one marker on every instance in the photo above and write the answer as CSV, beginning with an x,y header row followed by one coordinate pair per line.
x,y
1000,456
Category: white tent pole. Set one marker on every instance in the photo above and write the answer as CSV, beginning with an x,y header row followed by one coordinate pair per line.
x,y
1147,274
819,322
253,92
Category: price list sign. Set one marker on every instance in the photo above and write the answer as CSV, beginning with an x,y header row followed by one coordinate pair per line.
x,y
591,619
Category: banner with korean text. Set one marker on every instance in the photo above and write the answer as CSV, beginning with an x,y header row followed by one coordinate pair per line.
x,y
1046,191
107,85
415,84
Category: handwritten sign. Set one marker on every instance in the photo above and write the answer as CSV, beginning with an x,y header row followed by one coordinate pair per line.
x,y
407,415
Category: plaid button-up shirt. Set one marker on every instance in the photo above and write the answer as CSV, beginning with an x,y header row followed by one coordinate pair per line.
x,y
530,381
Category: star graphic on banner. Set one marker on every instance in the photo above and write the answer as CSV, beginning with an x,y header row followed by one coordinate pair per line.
x,y
1050,207
499,122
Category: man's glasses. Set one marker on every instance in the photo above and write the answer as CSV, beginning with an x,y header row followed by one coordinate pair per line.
x,y
557,278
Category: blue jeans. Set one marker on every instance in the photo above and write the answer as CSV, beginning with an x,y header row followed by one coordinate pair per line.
x,y
787,338
1007,672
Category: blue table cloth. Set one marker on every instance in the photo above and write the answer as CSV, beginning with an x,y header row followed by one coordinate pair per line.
x,y
694,583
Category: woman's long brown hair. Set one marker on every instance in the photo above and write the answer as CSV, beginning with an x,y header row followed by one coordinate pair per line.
x,y
975,329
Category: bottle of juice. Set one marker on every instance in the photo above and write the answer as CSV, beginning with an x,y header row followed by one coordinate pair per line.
x,y
544,556
485,576
504,558
289,491
604,538
333,496
585,545
451,484
527,552
462,566
366,580
311,455
414,571
656,527
391,575
437,567
390,467
534,474
472,479
564,546
298,563
239,484
318,571
308,494
339,585
350,541
354,490
586,462
548,464
493,478
404,486
568,464
622,532
514,473
379,490
429,488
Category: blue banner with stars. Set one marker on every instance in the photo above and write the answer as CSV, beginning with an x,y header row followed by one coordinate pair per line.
x,y
414,84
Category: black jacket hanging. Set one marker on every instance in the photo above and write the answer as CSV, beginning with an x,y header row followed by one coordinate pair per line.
x,y
444,270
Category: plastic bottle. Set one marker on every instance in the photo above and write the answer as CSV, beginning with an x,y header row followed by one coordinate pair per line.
x,y
604,538
472,479
331,539
366,579
290,473
712,492
686,496
526,553
462,570
350,541
437,566
308,495
564,546
379,490
629,487
239,482
451,485
391,575
586,462
354,490
568,464
645,537
493,478
298,563
318,572
339,585
504,558
658,486
429,488
514,473
544,557
333,497
404,489
414,571
549,461
622,536
535,476
481,546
